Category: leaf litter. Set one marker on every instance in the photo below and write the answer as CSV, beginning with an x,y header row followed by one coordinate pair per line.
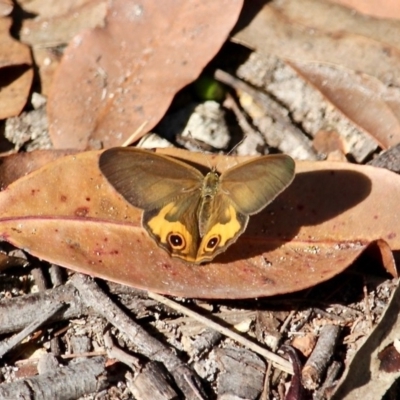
x,y
333,213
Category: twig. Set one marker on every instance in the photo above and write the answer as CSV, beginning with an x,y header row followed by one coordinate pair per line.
x,y
319,359
93,296
135,135
72,381
13,341
331,376
115,352
275,110
278,361
367,307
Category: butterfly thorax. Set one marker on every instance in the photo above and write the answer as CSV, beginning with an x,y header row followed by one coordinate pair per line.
x,y
208,191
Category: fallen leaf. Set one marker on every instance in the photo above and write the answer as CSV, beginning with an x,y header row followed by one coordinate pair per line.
x,y
16,73
365,100
68,214
319,31
381,9
54,25
112,79
58,24
18,165
6,6
350,59
368,375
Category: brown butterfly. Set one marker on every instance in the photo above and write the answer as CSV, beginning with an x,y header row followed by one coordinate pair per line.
x,y
192,216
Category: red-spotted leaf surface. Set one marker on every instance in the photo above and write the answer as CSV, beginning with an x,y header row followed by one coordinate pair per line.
x,y
352,60
67,213
18,165
16,73
114,78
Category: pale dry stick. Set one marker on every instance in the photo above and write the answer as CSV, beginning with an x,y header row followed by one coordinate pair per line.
x,y
320,357
135,135
241,119
331,376
276,111
287,321
114,351
13,341
277,361
145,343
267,380
367,307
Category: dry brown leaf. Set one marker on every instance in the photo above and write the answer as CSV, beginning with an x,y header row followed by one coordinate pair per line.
x,y
319,31
111,80
365,100
375,367
380,9
16,73
6,6
18,165
68,214
351,59
57,23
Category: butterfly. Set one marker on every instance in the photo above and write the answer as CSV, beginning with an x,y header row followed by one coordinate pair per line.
x,y
193,216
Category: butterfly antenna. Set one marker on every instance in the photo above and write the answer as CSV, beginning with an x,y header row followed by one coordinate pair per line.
x,y
234,148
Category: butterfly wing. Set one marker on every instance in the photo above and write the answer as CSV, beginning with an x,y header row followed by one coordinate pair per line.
x,y
166,189
148,180
244,190
252,185
224,226
175,226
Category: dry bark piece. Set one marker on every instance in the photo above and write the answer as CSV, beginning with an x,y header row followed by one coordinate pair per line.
x,y
17,313
152,382
8,344
365,377
159,50
309,234
389,159
317,363
242,373
74,380
258,105
146,344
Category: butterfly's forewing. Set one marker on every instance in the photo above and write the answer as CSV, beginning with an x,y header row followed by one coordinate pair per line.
x,y
148,180
252,185
166,189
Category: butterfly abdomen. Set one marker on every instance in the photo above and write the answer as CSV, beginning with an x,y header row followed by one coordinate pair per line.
x,y
209,190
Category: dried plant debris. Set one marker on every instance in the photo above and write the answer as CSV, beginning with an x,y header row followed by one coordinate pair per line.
x,y
321,82
142,338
